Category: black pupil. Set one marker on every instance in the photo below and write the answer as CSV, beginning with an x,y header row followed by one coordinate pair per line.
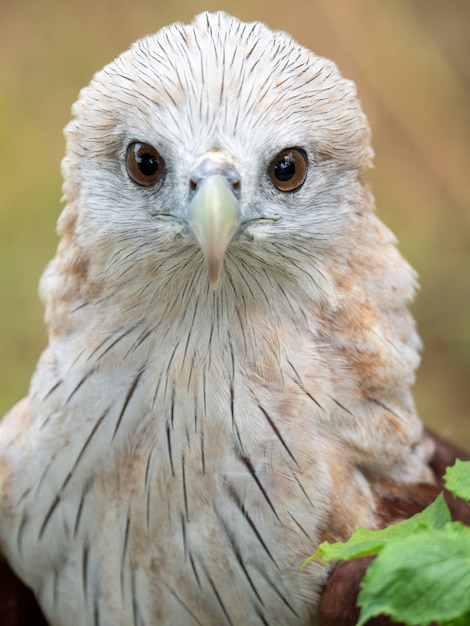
x,y
147,163
285,169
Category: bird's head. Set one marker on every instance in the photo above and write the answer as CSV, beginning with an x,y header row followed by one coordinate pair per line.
x,y
213,145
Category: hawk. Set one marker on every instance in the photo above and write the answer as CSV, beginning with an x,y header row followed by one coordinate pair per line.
x,y
227,379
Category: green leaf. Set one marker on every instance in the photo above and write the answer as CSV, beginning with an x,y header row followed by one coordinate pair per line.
x,y
422,578
457,479
462,621
364,542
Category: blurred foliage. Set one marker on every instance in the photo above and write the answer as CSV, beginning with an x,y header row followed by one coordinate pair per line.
x,y
410,60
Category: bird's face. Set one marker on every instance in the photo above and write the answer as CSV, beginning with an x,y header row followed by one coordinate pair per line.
x,y
215,140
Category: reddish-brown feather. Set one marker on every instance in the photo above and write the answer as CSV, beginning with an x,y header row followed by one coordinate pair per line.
x,y
338,603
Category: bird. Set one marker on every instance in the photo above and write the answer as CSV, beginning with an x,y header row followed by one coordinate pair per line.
x,y
228,376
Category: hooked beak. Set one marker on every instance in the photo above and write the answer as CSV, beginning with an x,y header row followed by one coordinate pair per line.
x,y
214,219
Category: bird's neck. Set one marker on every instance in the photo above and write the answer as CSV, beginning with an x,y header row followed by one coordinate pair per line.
x,y
169,305
163,345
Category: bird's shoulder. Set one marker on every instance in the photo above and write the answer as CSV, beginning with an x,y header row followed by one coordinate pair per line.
x,y
16,419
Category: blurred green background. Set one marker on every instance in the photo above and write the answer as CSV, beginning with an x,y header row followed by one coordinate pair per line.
x,y
411,62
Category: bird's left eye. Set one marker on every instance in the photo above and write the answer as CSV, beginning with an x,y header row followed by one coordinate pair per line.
x,y
288,169
144,163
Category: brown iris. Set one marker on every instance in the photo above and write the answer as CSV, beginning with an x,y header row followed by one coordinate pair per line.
x,y
288,169
144,163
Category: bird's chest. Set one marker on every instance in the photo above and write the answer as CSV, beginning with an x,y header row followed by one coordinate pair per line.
x,y
200,508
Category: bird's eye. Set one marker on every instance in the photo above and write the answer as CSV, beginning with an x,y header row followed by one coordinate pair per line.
x,y
144,163
288,169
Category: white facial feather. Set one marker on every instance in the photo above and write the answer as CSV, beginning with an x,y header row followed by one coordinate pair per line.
x,y
184,448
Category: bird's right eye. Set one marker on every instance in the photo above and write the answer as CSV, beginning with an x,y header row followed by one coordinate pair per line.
x,y
144,163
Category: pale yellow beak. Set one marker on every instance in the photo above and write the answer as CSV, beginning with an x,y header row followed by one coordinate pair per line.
x,y
214,220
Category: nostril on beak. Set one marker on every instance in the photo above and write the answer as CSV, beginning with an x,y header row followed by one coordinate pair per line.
x,y
215,165
233,181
